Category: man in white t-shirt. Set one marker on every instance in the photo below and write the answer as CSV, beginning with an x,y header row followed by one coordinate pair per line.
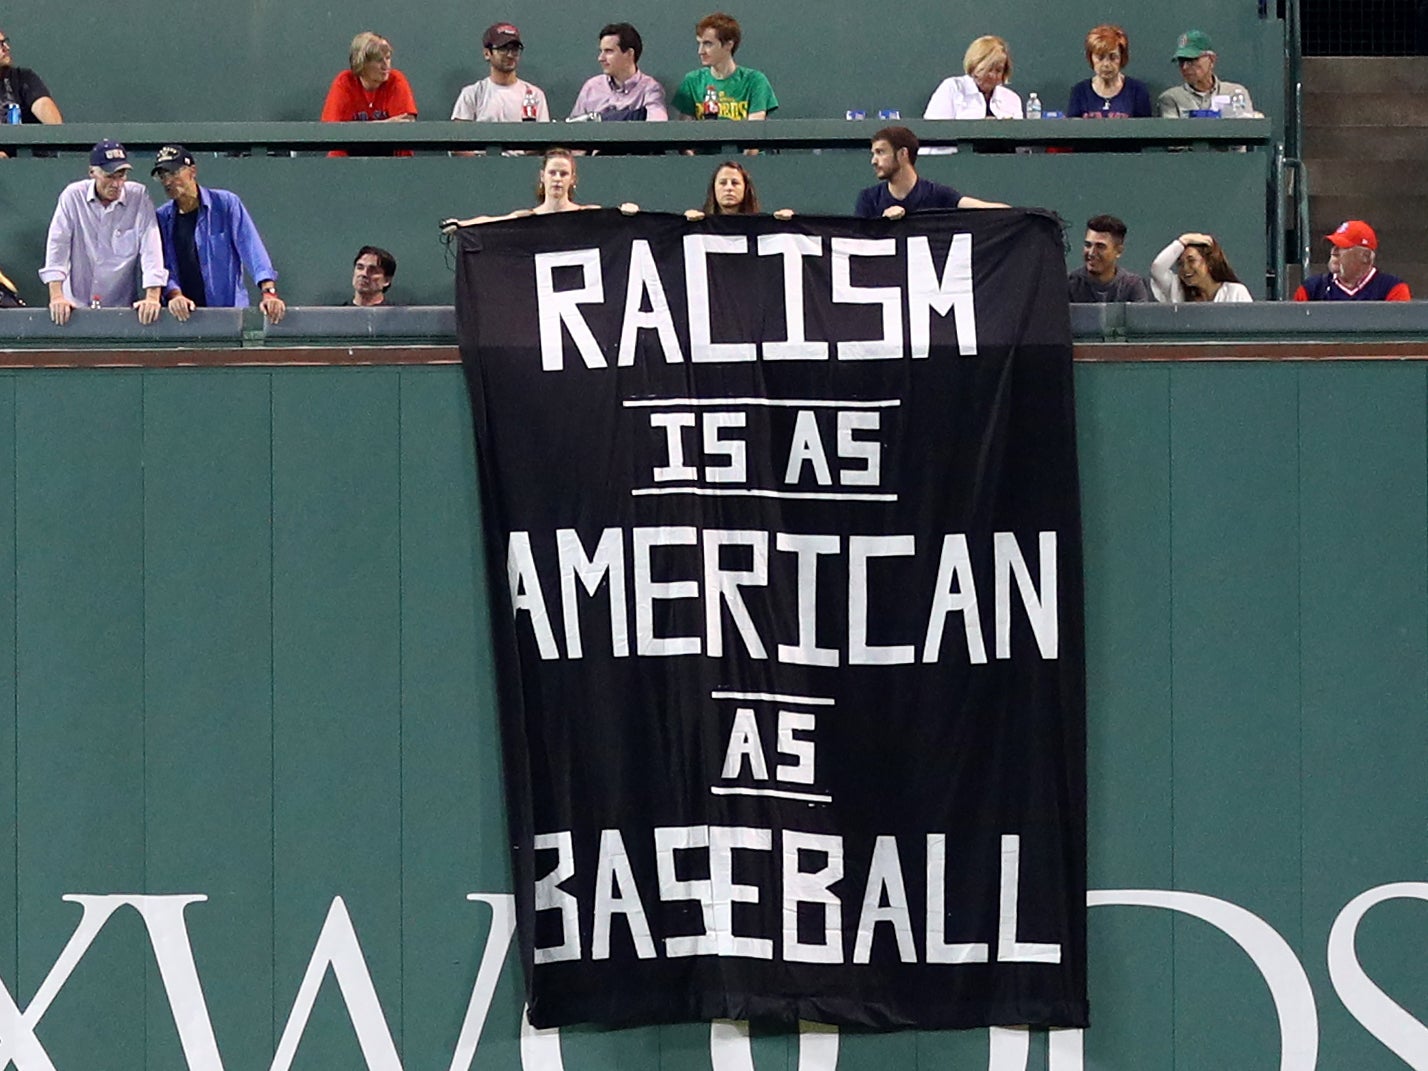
x,y
502,97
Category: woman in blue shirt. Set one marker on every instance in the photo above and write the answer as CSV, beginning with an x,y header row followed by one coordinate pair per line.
x,y
1109,94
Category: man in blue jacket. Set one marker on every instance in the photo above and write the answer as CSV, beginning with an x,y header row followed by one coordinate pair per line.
x,y
209,239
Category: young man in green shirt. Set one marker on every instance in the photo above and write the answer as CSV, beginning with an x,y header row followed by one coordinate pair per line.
x,y
720,88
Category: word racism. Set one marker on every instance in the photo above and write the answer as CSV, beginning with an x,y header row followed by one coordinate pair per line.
x,y
927,289
791,667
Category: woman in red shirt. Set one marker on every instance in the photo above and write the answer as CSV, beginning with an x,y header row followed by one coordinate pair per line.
x,y
371,90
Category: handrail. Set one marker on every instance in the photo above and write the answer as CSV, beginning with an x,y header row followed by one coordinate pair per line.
x,y
1294,130
1301,216
1294,77
1131,135
1275,224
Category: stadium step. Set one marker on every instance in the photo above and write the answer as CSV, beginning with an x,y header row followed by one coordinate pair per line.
x,y
1366,154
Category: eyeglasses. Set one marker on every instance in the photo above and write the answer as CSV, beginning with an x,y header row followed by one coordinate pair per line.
x,y
513,47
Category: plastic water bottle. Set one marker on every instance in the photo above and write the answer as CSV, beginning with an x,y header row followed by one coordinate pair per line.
x,y
1239,106
529,107
1033,106
12,113
94,302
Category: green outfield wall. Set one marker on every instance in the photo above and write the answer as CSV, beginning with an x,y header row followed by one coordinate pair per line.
x,y
252,814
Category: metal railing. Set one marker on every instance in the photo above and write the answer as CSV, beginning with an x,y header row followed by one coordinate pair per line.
x,y
1293,169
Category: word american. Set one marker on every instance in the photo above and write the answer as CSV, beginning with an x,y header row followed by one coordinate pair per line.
x,y
622,560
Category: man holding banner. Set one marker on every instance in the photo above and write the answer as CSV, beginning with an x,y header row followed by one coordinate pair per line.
x,y
900,190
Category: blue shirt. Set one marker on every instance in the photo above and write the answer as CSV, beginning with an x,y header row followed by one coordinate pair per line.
x,y
925,194
227,241
1132,102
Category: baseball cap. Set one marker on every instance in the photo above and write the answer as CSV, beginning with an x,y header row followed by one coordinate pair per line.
x,y
109,156
1353,232
171,158
1192,44
501,33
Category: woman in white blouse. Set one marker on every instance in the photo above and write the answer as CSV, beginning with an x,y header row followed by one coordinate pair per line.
x,y
981,93
1193,268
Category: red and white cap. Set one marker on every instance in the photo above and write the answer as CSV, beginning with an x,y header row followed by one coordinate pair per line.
x,y
1352,233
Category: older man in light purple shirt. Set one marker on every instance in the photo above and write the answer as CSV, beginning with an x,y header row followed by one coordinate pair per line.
x,y
622,92
103,242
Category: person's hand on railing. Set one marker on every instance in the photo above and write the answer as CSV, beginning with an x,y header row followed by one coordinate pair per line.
x,y
60,308
274,307
149,307
181,307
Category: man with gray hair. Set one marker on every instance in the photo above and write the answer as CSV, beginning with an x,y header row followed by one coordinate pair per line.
x,y
1353,247
103,242
1201,87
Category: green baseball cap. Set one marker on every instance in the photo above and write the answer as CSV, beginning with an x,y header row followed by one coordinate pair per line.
x,y
1192,44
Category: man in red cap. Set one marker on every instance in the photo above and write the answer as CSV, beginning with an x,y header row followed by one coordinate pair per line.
x,y
1351,275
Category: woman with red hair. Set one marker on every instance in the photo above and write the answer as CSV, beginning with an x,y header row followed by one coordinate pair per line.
x,y
1109,94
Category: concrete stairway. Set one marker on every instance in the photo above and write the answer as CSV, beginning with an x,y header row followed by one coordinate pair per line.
x,y
1366,152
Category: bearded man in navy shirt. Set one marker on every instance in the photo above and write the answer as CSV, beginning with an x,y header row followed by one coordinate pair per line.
x,y
901,190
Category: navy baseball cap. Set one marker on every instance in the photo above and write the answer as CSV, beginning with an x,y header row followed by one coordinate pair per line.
x,y
171,158
109,156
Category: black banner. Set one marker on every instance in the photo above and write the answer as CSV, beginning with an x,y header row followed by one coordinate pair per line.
x,y
785,521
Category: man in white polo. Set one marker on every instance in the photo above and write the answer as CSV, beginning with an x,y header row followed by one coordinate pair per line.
x,y
103,243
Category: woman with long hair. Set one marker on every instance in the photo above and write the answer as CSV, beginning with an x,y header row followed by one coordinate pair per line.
x,y
1194,268
555,190
731,193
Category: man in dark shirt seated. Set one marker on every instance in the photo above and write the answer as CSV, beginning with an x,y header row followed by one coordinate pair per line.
x,y
26,90
372,272
1101,278
1352,275
209,239
901,191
